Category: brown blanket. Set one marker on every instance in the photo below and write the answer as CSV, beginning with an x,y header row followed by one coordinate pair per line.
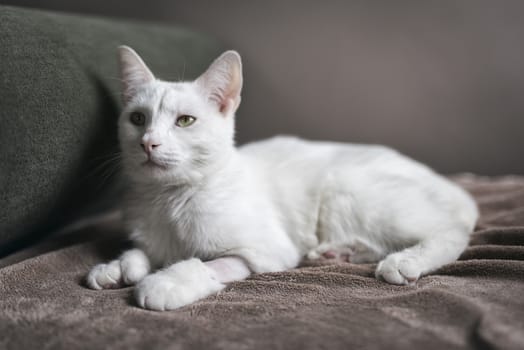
x,y
477,302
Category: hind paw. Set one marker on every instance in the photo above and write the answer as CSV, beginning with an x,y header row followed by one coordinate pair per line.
x,y
356,252
330,252
399,269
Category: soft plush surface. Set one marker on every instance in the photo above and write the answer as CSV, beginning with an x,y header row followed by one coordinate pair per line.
x,y
473,303
58,108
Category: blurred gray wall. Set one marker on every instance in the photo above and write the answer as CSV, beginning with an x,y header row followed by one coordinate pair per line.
x,y
443,81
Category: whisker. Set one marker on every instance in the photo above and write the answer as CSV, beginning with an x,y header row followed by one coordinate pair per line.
x,y
110,164
108,175
107,156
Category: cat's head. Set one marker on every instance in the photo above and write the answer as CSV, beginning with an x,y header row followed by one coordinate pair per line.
x,y
175,132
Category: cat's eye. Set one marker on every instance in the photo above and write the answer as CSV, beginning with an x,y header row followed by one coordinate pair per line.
x,y
137,118
185,120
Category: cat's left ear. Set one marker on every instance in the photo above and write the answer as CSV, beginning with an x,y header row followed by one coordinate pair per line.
x,y
133,72
222,82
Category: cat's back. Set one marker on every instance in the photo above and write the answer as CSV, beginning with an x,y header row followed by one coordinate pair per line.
x,y
289,151
288,160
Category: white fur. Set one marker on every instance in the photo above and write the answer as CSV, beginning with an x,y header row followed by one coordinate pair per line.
x,y
128,269
269,203
178,285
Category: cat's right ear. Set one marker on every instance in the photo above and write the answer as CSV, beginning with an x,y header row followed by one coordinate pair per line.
x,y
221,83
133,72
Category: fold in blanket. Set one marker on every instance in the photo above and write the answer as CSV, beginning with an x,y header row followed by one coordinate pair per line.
x,y
476,302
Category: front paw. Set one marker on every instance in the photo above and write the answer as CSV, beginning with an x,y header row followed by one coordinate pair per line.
x,y
176,286
134,265
399,268
105,276
158,292
127,270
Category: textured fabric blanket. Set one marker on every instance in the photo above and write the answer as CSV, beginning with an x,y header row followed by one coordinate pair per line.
x,y
476,302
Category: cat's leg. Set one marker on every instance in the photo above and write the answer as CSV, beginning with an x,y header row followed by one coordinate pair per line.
x,y
128,269
340,231
406,266
188,281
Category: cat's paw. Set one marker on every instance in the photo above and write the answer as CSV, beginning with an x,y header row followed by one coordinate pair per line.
x,y
399,268
158,292
177,286
135,266
331,251
105,276
127,270
356,252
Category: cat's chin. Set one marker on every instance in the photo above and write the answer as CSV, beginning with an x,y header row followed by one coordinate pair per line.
x,y
154,170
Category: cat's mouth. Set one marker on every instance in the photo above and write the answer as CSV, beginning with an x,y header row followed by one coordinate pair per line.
x,y
150,163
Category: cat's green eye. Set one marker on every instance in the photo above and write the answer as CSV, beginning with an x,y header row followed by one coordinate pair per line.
x,y
137,118
185,120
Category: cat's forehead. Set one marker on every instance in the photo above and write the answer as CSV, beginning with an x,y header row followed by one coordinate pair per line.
x,y
165,96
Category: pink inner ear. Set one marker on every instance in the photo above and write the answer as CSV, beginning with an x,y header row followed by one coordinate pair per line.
x,y
226,105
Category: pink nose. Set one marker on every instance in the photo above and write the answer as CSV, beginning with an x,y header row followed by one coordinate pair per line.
x,y
148,146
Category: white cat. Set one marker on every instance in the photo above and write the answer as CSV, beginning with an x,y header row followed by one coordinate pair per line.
x,y
208,213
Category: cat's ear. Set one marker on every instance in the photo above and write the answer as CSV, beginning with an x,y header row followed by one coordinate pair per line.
x,y
222,82
133,72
